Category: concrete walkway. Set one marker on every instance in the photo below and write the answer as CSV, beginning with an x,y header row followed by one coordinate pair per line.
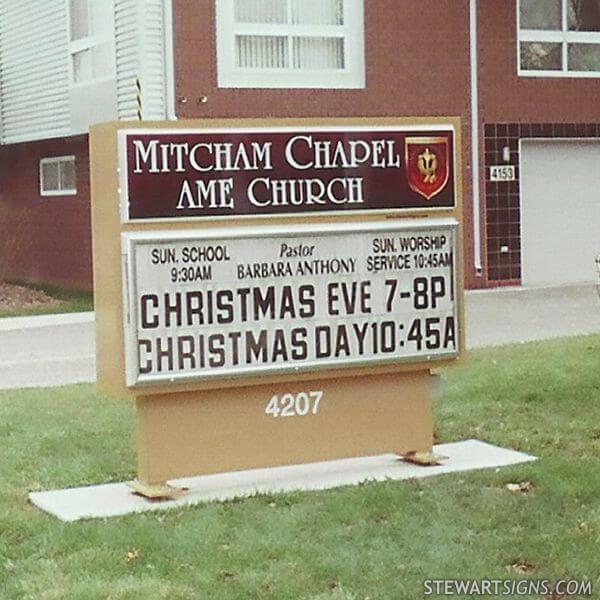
x,y
47,350
514,315
59,349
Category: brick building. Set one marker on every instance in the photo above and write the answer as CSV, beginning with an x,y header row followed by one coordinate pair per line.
x,y
523,75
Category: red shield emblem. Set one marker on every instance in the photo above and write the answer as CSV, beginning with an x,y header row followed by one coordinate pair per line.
x,y
427,164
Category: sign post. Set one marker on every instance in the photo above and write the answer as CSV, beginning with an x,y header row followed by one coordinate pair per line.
x,y
275,293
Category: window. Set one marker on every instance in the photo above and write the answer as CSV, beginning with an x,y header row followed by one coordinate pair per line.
x,y
57,176
91,47
559,37
290,43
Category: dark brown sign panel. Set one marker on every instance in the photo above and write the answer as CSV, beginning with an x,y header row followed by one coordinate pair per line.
x,y
168,174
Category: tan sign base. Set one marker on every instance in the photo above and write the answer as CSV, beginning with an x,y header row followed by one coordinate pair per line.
x,y
200,433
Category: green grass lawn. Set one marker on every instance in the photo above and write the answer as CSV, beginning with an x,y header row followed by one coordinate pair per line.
x,y
377,540
66,301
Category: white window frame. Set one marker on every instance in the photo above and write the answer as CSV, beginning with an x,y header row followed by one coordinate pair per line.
x,y
88,42
563,37
352,31
60,191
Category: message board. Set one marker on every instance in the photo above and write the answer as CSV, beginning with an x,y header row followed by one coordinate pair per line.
x,y
279,299
278,171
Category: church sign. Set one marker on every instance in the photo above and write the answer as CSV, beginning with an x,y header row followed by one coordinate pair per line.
x,y
191,174
276,291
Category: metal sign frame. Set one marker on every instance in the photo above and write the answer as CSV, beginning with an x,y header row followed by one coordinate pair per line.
x,y
130,291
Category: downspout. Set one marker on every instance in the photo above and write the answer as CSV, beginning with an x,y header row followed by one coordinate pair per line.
x,y
169,60
475,138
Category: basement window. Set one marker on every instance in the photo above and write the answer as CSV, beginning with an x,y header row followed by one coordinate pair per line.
x,y
290,43
559,38
57,176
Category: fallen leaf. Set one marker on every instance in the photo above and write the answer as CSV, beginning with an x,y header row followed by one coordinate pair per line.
x,y
426,459
520,488
9,565
584,527
554,595
132,555
521,566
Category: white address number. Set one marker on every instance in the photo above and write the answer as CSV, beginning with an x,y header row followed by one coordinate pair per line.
x,y
298,405
502,173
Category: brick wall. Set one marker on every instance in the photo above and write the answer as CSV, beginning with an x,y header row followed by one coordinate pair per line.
x,y
44,239
514,108
507,98
417,64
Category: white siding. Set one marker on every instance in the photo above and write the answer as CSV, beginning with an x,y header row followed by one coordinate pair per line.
x,y
126,47
38,100
153,61
140,54
34,69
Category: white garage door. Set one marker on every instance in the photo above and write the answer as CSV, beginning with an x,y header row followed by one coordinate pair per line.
x,y
560,212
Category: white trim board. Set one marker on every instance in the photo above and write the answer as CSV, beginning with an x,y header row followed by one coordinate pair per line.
x,y
115,499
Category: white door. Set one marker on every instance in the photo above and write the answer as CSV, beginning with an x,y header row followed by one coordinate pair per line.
x,y
560,212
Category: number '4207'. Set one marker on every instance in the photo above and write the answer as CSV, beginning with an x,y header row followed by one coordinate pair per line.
x,y
294,405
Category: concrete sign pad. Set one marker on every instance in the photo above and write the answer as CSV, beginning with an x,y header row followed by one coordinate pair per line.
x,y
114,499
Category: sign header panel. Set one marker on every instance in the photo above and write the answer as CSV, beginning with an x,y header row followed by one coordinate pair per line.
x,y
284,299
189,174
